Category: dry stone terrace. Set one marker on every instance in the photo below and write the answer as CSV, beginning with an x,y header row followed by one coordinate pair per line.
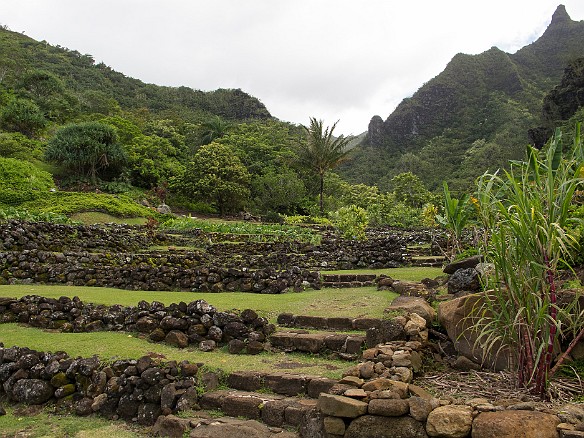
x,y
377,396
359,405
121,256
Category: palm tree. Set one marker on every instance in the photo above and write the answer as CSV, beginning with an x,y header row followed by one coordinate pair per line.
x,y
321,151
214,128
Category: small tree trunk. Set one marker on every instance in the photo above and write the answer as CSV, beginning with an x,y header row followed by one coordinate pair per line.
x,y
321,194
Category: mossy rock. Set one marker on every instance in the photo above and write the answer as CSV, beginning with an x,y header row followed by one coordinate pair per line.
x,y
59,380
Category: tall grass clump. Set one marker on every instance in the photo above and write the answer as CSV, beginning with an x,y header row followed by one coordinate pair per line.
x,y
457,213
527,215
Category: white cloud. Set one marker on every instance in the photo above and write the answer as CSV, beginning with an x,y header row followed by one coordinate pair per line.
x,y
331,59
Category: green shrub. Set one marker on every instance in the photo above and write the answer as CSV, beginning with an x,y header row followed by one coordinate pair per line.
x,y
261,232
25,215
273,217
21,181
16,145
351,221
403,216
316,220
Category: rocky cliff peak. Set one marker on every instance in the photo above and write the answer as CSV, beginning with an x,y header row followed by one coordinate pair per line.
x,y
560,16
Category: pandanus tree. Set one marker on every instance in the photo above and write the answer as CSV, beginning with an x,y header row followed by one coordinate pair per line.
x,y
86,148
529,224
321,151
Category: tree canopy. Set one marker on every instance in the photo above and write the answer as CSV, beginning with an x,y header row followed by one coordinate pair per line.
x,y
85,148
217,176
321,151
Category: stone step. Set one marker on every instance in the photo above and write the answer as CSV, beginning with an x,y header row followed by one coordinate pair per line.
x,y
323,323
205,424
347,346
284,384
348,280
273,410
428,261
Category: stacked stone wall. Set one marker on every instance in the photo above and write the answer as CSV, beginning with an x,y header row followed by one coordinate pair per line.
x,y
196,323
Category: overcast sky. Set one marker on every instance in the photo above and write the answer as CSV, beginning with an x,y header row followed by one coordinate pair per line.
x,y
329,59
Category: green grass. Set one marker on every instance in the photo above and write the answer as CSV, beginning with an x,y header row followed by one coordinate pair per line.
x,y
69,203
95,217
46,423
410,273
121,345
354,302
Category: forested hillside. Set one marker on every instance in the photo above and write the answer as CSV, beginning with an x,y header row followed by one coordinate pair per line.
x,y
91,87
69,126
473,116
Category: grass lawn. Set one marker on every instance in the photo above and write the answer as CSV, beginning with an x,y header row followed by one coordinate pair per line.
x,y
355,302
121,345
31,423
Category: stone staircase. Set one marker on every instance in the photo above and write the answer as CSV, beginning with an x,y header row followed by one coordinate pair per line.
x,y
346,346
421,255
347,280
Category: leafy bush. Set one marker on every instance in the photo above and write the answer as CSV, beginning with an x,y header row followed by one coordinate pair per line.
x,y
273,217
25,215
187,203
16,145
263,232
21,181
351,221
316,220
75,202
403,216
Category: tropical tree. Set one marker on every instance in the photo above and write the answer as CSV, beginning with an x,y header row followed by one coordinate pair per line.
x,y
409,189
22,115
85,148
49,92
321,151
216,175
214,129
278,190
152,161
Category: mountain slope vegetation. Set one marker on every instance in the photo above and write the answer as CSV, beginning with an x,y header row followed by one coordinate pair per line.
x,y
472,117
97,86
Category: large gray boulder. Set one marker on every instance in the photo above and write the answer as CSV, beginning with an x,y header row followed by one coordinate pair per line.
x,y
515,424
373,426
32,391
464,280
459,318
469,262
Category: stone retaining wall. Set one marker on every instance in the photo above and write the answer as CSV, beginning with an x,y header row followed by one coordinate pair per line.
x,y
196,323
47,236
148,391
151,271
374,253
380,250
133,390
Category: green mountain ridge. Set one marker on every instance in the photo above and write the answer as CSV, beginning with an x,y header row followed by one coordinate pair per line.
x,y
473,116
94,84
